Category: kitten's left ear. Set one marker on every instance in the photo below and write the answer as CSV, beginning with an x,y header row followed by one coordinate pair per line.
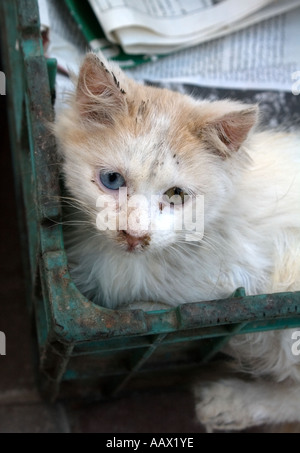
x,y
228,132
99,96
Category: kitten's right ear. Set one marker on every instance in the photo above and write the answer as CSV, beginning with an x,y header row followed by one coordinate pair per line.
x,y
99,96
228,126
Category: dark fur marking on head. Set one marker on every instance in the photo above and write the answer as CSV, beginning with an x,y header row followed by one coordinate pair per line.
x,y
105,68
117,83
142,108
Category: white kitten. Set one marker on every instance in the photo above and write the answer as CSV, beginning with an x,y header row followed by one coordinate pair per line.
x,y
132,155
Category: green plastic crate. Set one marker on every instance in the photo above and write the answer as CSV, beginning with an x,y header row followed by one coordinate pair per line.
x,y
82,347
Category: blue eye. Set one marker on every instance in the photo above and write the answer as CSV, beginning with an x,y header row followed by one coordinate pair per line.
x,y
111,180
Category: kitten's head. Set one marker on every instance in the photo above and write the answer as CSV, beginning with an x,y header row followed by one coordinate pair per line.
x,y
141,161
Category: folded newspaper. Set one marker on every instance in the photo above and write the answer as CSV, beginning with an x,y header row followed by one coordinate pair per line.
x,y
155,27
261,56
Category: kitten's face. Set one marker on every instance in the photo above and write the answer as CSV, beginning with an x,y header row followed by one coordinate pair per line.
x,y
143,163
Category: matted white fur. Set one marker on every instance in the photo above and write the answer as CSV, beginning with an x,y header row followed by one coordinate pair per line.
x,y
250,181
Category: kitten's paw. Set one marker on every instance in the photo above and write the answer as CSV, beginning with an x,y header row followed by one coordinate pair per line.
x,y
225,406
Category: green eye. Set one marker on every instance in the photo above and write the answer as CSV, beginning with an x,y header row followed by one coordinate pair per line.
x,y
175,196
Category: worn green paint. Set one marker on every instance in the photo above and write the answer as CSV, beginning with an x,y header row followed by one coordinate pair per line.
x,y
77,339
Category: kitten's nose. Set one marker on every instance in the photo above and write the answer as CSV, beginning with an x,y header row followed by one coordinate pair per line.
x,y
135,241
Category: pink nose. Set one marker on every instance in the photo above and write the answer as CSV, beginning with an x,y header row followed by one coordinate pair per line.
x,y
135,241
